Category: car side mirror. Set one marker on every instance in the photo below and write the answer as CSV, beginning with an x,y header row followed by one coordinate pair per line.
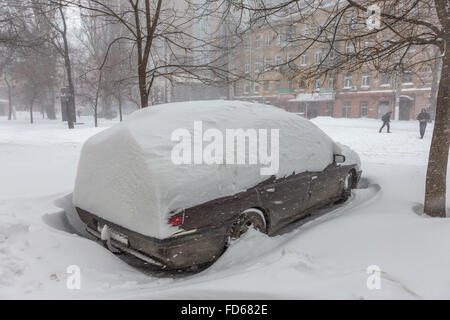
x,y
339,158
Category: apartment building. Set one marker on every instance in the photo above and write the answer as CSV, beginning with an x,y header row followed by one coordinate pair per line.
x,y
362,93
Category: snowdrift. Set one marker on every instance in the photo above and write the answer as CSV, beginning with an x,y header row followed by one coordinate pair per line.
x,y
126,174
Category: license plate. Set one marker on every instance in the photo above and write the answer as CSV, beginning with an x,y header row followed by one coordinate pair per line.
x,y
119,237
115,235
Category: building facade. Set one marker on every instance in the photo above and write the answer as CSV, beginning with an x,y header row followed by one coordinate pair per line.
x,y
271,62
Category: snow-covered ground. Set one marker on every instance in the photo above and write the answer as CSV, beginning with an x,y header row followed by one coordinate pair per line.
x,y
326,257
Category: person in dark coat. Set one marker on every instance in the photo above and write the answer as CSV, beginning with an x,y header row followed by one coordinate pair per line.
x,y
386,121
423,118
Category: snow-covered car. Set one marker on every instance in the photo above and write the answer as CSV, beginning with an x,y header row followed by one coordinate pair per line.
x,y
133,192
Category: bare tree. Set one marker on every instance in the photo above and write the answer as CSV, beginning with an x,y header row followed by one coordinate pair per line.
x,y
10,102
34,76
16,35
53,20
6,59
162,40
89,92
25,43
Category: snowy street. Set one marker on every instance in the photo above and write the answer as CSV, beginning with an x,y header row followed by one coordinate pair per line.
x,y
326,257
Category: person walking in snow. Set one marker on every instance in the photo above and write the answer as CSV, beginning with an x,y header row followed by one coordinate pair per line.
x,y
423,118
386,121
80,110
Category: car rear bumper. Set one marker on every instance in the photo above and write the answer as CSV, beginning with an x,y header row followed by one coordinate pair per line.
x,y
180,251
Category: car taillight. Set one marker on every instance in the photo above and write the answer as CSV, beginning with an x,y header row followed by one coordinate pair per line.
x,y
176,221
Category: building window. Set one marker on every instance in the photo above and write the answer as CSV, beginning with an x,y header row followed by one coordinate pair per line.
x,y
363,109
303,60
257,37
278,61
290,85
290,34
332,54
266,85
235,88
330,83
256,87
291,62
246,67
318,56
346,109
330,109
268,40
316,84
302,108
257,41
279,39
347,80
267,64
407,77
257,66
304,31
349,48
246,44
385,79
277,84
302,84
247,88
352,20
366,79
318,32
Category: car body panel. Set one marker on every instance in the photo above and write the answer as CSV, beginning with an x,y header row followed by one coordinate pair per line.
x,y
282,201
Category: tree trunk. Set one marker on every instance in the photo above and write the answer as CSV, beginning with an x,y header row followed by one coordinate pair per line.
x,y
435,192
436,71
143,87
144,44
71,115
96,110
71,103
120,108
95,116
31,111
50,106
97,93
42,102
10,105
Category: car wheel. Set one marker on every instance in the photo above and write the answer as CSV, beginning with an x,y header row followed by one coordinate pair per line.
x,y
347,188
247,219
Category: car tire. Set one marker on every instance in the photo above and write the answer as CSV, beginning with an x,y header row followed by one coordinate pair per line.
x,y
347,188
250,217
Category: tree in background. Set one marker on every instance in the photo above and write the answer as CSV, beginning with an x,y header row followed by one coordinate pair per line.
x,y
55,17
111,61
25,45
162,40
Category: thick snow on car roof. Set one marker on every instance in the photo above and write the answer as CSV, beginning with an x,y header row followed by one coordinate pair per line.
x,y
126,173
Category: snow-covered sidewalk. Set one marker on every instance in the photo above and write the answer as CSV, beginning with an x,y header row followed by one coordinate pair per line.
x,y
324,258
